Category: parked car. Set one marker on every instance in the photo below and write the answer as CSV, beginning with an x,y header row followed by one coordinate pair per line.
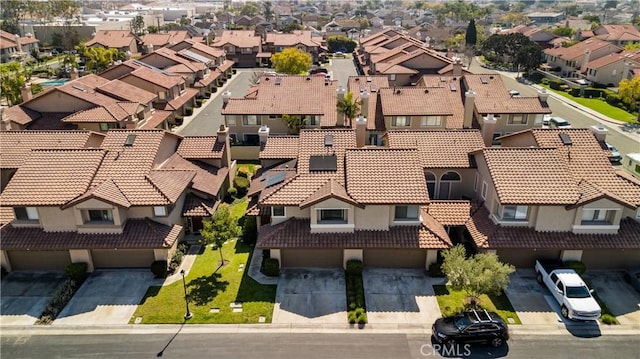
x,y
514,93
545,121
338,54
616,156
558,122
569,290
318,70
475,326
632,276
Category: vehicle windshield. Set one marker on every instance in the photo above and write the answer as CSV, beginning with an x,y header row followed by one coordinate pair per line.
x,y
578,292
461,322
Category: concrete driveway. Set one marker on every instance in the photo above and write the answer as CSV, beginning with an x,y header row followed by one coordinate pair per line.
x,y
106,297
396,296
527,297
311,295
26,294
621,298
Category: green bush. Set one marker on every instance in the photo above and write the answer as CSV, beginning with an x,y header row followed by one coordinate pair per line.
x,y
232,192
556,85
250,230
608,319
352,318
594,93
159,269
198,103
270,267
215,89
362,318
242,185
575,92
207,94
577,266
58,300
613,99
544,81
188,111
435,270
354,267
179,120
77,272
243,174
536,77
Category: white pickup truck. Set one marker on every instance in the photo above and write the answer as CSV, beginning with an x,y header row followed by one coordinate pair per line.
x,y
566,286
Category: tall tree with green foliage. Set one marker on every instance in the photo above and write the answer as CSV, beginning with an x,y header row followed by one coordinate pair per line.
x,y
249,9
221,227
267,8
291,27
291,61
12,77
340,43
137,25
480,274
563,31
471,37
629,92
348,107
99,59
529,57
294,123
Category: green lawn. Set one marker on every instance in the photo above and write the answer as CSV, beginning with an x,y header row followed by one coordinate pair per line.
x,y
598,105
452,302
210,287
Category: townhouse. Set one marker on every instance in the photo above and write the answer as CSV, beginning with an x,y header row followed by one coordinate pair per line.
x,y
611,69
120,199
241,46
15,46
571,61
617,34
154,41
302,40
121,40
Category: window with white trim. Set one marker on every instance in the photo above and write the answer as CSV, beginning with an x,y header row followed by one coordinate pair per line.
x,y
431,184
597,216
231,120
517,119
246,50
392,77
406,213
160,211
513,213
485,188
277,211
400,121
428,121
26,213
475,182
332,216
99,216
250,120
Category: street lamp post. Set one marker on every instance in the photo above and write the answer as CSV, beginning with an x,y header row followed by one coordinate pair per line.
x,y
188,314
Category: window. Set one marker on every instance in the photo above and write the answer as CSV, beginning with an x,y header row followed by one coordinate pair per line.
x,y
484,190
431,184
162,95
107,126
637,168
539,119
426,121
311,120
277,211
100,216
475,182
250,120
446,184
495,136
231,120
513,213
404,213
596,216
26,213
273,117
246,50
230,49
251,139
392,77
373,139
517,119
400,121
332,216
160,211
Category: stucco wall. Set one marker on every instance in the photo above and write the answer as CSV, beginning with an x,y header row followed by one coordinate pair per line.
x,y
372,217
553,218
54,219
58,101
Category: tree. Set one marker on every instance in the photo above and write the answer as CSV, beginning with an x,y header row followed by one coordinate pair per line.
x,y
294,123
629,92
515,19
268,12
348,107
99,59
137,25
184,21
529,57
563,31
340,43
12,77
291,61
249,9
635,46
221,227
454,42
480,274
471,36
291,27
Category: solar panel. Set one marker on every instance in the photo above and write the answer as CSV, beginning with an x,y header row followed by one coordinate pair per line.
x,y
129,140
323,163
275,178
197,57
328,140
566,140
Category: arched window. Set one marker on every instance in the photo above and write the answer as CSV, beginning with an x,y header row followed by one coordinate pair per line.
x,y
431,184
446,183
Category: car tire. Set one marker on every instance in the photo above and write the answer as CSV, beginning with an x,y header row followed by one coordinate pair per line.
x,y
497,342
565,312
539,277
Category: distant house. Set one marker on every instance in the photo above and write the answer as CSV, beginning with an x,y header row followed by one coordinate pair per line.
x,y
538,35
302,40
611,69
152,42
122,40
241,46
15,47
619,35
571,60
545,18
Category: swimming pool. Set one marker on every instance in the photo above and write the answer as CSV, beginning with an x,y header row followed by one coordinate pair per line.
x,y
54,82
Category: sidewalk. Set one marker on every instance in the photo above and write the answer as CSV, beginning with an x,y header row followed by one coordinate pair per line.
x,y
187,262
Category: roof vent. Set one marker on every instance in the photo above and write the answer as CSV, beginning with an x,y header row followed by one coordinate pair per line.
x,y
453,87
369,79
357,79
566,140
397,92
490,77
129,141
308,78
79,88
278,81
426,90
483,80
328,140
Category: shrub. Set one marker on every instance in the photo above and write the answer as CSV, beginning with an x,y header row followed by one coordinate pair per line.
x,y
215,89
575,92
242,185
207,94
270,267
536,77
362,318
60,298
159,269
577,266
179,120
435,270
608,319
594,93
232,192
250,230
352,318
613,99
198,103
354,267
556,85
243,174
188,111
77,272
544,81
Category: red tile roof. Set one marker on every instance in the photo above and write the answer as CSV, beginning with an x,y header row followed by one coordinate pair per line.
x,y
126,92
158,117
577,50
208,179
439,148
493,97
21,115
195,206
238,38
451,213
112,38
168,38
280,147
331,189
137,234
414,101
200,147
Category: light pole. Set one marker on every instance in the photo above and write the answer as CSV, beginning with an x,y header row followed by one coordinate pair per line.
x,y
188,314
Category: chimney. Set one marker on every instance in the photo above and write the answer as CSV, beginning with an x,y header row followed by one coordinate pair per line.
x,y
149,48
364,99
626,70
18,44
469,107
25,91
340,92
457,66
488,127
600,132
361,131
223,137
263,133
543,95
74,74
585,60
225,98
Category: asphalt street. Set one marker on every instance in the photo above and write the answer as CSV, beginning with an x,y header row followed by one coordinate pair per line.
x,y
308,346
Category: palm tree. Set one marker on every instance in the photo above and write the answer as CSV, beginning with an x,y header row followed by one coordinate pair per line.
x,y
348,107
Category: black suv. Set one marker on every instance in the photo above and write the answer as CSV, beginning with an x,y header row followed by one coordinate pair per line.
x,y
470,327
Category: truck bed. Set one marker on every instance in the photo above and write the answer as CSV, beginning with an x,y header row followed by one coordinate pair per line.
x,y
551,264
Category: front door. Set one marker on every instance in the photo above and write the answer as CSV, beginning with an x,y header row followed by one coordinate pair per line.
x,y
196,224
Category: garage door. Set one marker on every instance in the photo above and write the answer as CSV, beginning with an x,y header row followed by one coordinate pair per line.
x,y
311,258
39,260
395,258
110,258
526,258
611,258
